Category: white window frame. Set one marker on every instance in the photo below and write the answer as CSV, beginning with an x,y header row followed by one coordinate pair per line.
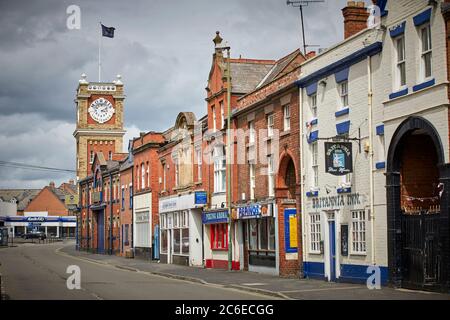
x,y
270,176
315,233
164,176
400,62
219,169
270,125
315,164
177,171
213,110
343,94
358,232
91,160
251,134
313,103
252,171
426,51
222,115
142,176
287,117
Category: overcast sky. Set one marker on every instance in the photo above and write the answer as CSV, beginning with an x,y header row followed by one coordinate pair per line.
x,y
163,50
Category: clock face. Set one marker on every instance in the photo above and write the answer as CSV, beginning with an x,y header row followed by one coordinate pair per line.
x,y
101,110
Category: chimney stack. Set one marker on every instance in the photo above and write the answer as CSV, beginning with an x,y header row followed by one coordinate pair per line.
x,y
355,18
52,184
71,182
310,54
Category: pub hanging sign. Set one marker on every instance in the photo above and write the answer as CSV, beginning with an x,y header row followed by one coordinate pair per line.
x,y
338,158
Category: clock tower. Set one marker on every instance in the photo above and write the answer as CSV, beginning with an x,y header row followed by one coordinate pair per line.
x,y
99,122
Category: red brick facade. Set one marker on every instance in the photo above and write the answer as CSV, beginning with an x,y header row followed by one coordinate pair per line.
x,y
355,18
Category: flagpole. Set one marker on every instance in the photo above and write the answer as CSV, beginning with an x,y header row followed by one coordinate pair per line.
x,y
100,55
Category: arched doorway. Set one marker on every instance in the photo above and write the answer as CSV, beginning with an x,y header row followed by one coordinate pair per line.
x,y
287,178
417,207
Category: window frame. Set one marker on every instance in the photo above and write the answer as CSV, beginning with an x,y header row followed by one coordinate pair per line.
x,y
270,124
287,117
315,164
251,135
220,167
427,52
400,63
217,232
358,227
313,104
315,233
344,97
270,175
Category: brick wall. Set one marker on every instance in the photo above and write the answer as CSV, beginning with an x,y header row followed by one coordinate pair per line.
x,y
46,200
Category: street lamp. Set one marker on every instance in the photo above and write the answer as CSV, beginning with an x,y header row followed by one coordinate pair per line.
x,y
228,75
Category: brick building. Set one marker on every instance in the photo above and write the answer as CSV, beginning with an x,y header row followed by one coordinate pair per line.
x,y
181,194
245,75
99,219
126,205
145,192
267,120
50,210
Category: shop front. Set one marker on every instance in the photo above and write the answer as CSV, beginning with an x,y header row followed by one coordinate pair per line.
x,y
52,226
181,238
260,237
216,239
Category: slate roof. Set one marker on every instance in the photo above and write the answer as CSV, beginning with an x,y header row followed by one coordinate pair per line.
x,y
246,75
22,196
277,69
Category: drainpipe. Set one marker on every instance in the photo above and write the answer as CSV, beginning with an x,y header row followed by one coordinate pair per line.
x,y
88,216
302,181
131,209
111,215
371,162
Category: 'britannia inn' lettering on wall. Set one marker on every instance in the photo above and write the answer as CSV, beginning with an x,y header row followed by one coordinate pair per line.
x,y
339,201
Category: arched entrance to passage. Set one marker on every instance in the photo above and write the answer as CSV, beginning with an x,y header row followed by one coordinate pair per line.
x,y
417,207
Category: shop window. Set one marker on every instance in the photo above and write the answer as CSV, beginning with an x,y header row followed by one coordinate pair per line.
x,y
185,239
176,241
164,241
359,231
315,235
261,234
219,236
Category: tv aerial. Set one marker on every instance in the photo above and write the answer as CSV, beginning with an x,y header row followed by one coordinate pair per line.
x,y
300,4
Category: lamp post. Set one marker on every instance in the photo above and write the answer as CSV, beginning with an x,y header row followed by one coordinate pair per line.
x,y
228,156
230,238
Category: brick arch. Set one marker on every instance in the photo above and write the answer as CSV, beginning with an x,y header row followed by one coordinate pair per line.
x,y
285,163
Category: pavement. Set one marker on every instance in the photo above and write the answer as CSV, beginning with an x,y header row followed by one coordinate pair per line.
x,y
270,286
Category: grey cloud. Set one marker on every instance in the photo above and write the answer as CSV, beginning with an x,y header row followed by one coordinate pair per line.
x,y
163,50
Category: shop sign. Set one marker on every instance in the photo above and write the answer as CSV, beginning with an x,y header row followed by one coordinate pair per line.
x,y
338,158
338,201
35,219
249,212
201,197
212,217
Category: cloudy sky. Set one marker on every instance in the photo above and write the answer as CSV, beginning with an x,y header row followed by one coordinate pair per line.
x,y
162,49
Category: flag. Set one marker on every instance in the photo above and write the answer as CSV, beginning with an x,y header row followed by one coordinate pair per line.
x,y
108,31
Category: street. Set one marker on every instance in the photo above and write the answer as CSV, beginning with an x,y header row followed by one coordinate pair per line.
x,y
34,271
38,271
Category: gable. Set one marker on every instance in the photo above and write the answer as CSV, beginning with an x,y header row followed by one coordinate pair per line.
x,y
46,200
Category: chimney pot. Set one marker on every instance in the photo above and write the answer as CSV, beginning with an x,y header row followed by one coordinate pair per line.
x,y
310,54
52,184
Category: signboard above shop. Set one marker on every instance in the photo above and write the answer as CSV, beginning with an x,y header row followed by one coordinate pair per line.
x,y
255,211
338,158
212,217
